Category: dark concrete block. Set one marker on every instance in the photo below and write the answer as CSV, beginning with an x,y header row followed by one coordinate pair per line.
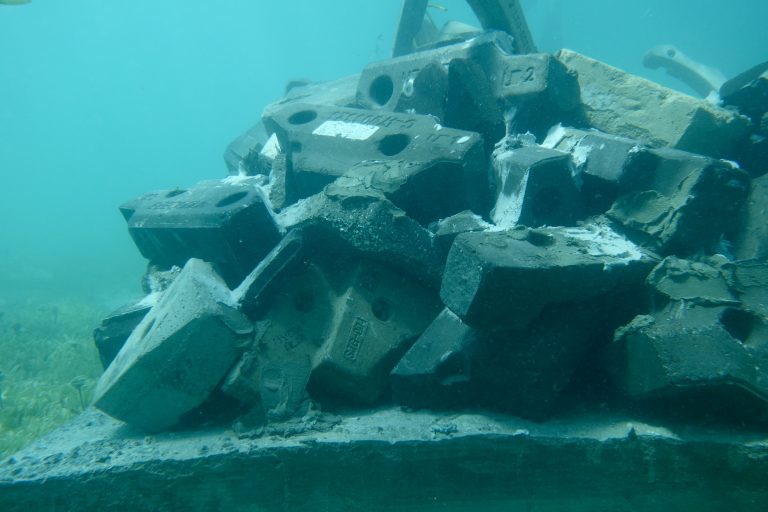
x,y
675,202
753,154
534,187
439,370
324,142
750,239
225,222
704,347
243,155
178,354
376,320
339,92
426,192
116,327
599,161
504,279
348,224
748,92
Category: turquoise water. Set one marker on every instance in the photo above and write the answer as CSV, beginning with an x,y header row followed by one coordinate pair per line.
x,y
102,101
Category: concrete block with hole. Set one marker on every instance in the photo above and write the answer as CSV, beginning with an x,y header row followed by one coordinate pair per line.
x,y
178,353
419,82
534,187
469,85
225,222
294,322
704,348
376,319
675,202
626,105
323,142
504,279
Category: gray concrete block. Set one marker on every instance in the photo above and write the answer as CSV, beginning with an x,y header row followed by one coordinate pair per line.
x,y
324,142
440,369
339,92
446,230
626,105
376,320
294,322
750,239
178,354
675,202
534,187
225,222
505,279
243,155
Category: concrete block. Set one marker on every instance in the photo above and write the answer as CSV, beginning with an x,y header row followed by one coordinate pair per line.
x,y
376,320
599,161
685,357
534,187
367,226
629,106
748,92
704,347
418,82
116,327
446,230
426,192
244,154
504,279
225,222
178,354
438,370
675,202
750,239
323,142
339,92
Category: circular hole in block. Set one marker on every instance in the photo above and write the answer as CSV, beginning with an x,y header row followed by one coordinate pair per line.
x,y
381,89
174,193
381,309
394,144
231,199
302,117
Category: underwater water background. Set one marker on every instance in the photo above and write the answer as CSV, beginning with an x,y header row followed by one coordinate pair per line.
x,y
101,101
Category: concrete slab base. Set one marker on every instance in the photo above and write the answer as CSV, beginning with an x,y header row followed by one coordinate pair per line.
x,y
392,460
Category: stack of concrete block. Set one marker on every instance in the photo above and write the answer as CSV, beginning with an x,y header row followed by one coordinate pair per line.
x,y
456,227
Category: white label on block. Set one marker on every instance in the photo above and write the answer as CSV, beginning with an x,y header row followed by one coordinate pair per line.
x,y
353,131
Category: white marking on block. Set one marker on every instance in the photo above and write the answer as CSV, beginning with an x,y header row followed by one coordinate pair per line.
x,y
352,131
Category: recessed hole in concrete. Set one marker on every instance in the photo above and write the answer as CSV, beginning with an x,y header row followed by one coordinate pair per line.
x,y
381,309
174,193
381,89
738,323
394,144
302,117
231,199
